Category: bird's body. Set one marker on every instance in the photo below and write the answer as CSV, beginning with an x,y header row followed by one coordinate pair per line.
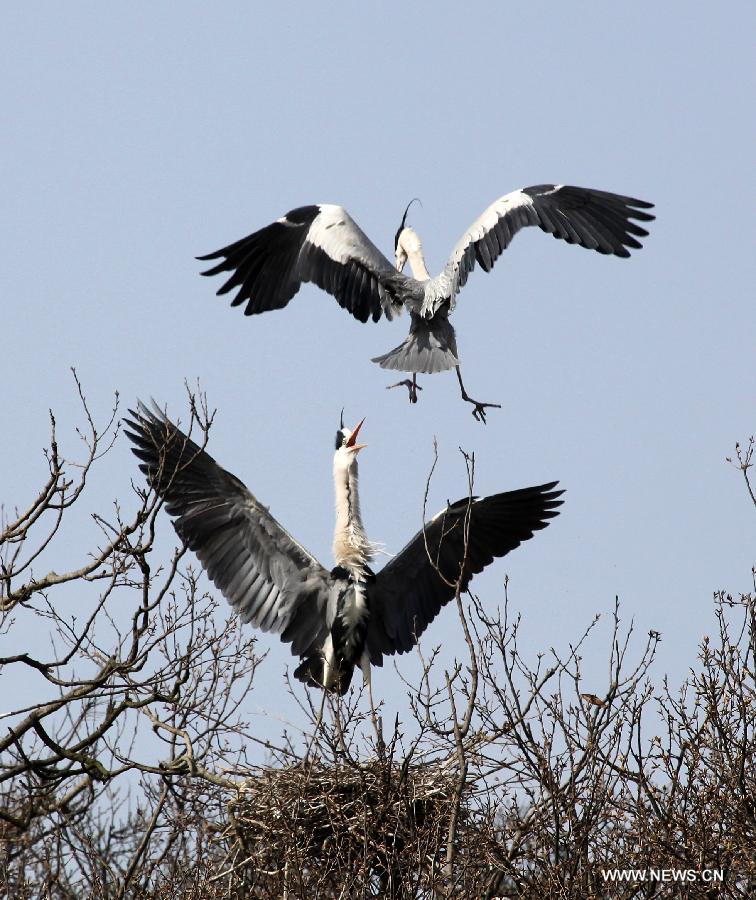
x,y
346,644
322,244
348,616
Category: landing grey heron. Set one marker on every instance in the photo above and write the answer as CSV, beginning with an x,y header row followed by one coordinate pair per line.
x,y
348,616
324,245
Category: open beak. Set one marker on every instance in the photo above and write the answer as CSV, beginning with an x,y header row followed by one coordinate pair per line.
x,y
350,444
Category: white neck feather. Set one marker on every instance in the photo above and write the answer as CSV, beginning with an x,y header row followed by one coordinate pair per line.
x,y
410,243
351,547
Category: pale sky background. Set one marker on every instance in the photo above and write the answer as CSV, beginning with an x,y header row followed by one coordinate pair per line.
x,y
138,136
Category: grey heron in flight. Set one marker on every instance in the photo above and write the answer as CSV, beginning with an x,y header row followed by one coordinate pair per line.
x,y
324,245
347,616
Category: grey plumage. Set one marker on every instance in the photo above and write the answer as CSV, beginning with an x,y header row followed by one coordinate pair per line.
x,y
596,220
318,244
333,619
430,346
322,244
267,576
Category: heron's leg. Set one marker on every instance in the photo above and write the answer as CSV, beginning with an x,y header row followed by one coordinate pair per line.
x,y
318,725
479,410
366,674
412,386
328,662
338,723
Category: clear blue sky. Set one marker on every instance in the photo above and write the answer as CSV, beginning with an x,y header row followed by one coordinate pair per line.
x,y
138,136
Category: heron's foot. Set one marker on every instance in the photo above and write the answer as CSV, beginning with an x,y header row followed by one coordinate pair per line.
x,y
479,409
412,386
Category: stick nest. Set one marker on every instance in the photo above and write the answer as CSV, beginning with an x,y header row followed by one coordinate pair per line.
x,y
375,819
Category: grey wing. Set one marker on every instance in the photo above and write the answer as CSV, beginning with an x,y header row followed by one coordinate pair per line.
x,y
269,578
412,588
321,244
597,220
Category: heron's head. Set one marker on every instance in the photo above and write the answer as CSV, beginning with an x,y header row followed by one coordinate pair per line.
x,y
405,240
347,447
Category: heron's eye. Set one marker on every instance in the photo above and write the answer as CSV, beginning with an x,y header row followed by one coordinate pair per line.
x,y
339,439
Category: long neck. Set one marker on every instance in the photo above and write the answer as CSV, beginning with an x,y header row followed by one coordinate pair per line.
x,y
351,547
417,264
414,250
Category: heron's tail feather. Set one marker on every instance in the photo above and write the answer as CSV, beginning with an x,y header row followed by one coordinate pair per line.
x,y
429,347
310,672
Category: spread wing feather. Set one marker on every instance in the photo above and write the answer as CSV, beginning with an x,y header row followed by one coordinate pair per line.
x,y
321,244
267,576
597,220
455,545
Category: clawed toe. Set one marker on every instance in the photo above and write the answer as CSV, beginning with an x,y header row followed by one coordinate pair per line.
x,y
412,387
479,410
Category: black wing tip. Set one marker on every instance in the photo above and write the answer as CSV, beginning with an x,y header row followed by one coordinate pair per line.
x,y
535,189
142,430
151,411
214,270
145,419
630,210
547,490
138,416
543,497
608,195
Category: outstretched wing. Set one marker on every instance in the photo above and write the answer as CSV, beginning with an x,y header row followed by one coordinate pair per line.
x,y
269,578
453,546
321,244
596,220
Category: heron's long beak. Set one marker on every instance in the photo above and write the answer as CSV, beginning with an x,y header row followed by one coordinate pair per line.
x,y
353,437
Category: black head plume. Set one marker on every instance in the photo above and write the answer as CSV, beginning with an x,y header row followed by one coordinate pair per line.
x,y
340,432
404,219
